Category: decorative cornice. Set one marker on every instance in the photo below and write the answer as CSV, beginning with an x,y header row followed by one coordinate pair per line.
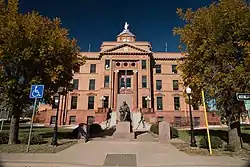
x,y
159,94
93,58
91,94
125,44
167,58
176,95
124,53
74,94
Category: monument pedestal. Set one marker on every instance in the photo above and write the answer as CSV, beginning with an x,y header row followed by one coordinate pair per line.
x,y
164,132
123,131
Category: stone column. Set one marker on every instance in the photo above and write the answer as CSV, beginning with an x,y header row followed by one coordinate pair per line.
x,y
135,90
116,88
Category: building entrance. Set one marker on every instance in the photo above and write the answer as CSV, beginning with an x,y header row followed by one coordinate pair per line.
x,y
125,86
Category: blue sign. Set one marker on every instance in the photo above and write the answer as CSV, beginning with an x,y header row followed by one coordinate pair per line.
x,y
36,91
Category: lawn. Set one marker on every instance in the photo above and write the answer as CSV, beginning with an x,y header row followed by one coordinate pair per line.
x,y
64,140
218,132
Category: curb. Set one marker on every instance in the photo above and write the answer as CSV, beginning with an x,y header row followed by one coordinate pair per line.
x,y
42,164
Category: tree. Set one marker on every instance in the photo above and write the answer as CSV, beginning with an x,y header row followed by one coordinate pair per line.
x,y
33,50
217,56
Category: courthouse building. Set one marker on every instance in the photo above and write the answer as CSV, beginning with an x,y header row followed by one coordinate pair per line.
x,y
126,70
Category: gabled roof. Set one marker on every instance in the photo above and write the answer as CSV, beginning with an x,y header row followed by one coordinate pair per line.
x,y
125,45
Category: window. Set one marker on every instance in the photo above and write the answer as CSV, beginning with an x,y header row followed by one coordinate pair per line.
x,y
144,102
73,102
54,106
158,69
160,119
72,120
90,120
91,102
122,84
174,69
92,68
128,82
143,64
92,84
176,103
144,81
159,103
177,121
106,81
175,85
196,121
107,64
158,84
53,120
75,84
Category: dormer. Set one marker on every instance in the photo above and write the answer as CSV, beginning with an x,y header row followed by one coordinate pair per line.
x,y
126,35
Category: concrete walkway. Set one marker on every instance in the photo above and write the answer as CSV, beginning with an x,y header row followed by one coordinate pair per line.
x,y
94,153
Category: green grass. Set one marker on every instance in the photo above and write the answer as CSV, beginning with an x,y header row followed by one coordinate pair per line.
x,y
64,140
219,132
42,148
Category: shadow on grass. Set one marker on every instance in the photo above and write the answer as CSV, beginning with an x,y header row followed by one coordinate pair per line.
x,y
245,126
222,134
95,131
60,135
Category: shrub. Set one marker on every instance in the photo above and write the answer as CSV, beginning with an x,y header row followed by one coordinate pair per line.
x,y
35,139
4,138
155,128
216,142
173,131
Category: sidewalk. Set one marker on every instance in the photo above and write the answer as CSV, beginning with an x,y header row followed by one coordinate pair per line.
x,y
93,153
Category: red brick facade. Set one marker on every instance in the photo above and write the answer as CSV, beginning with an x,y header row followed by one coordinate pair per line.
x,y
126,70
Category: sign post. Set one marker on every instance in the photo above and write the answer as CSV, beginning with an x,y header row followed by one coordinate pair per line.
x,y
36,92
246,98
3,116
247,106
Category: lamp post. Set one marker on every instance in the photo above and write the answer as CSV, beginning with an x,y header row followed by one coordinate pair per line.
x,y
56,103
148,99
193,142
102,100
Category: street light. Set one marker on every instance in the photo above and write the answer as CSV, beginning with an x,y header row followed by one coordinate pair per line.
x,y
56,103
148,99
193,142
102,99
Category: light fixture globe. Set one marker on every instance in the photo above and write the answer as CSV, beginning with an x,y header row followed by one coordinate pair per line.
x,y
188,90
102,98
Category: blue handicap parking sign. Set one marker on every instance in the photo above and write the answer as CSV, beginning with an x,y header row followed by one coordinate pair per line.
x,y
36,91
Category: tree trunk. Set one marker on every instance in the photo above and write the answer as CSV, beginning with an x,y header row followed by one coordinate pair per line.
x,y
234,134
14,129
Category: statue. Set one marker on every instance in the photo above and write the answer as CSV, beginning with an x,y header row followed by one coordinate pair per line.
x,y
124,112
126,26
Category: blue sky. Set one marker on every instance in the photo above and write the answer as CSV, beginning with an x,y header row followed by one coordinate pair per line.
x,y
94,21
